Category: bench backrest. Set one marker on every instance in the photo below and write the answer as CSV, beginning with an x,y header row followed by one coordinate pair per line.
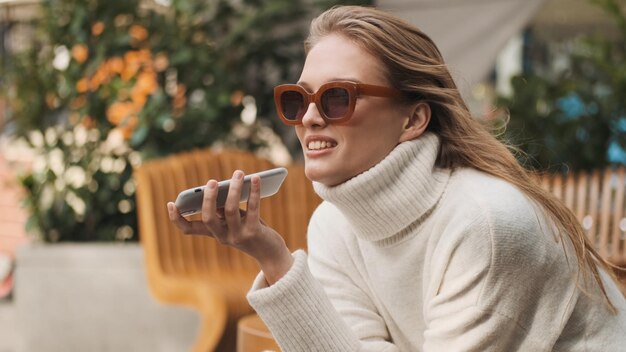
x,y
597,199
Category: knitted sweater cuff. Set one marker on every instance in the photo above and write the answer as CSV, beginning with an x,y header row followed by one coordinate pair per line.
x,y
298,312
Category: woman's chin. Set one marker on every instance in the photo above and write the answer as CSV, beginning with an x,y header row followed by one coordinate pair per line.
x,y
326,177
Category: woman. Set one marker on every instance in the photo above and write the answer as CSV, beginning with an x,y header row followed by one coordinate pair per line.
x,y
431,237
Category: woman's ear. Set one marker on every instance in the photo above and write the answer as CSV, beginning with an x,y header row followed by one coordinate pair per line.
x,y
416,123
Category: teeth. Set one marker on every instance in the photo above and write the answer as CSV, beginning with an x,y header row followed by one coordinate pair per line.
x,y
316,145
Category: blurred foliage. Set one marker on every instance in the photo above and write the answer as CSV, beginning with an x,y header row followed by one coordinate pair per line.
x,y
107,84
574,119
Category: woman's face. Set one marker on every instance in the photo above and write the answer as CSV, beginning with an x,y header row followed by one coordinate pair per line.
x,y
374,129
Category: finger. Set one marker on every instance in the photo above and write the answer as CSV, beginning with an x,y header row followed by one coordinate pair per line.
x,y
187,227
231,208
221,216
209,203
254,201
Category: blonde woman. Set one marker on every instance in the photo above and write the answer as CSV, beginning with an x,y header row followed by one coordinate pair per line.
x,y
431,236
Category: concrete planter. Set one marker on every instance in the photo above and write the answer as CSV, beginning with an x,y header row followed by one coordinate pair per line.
x,y
93,297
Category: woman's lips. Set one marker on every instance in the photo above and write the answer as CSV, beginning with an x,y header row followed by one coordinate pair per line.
x,y
319,142
316,146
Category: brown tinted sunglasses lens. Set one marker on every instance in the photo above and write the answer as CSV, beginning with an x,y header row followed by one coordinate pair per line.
x,y
335,102
292,104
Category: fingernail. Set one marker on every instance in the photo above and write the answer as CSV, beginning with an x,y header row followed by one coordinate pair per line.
x,y
238,175
169,206
212,184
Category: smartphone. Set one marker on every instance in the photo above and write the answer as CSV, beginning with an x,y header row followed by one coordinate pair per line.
x,y
189,201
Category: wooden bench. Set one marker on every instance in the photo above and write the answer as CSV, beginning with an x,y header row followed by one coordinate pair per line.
x,y
597,199
195,270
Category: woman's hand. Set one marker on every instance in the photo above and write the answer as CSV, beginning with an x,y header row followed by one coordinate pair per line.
x,y
244,230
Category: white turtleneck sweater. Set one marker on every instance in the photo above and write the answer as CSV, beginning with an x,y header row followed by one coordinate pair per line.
x,y
409,257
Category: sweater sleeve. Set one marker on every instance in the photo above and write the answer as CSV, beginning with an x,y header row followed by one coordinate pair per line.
x,y
503,283
298,313
302,318
319,311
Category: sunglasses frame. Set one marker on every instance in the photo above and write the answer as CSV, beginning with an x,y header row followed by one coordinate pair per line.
x,y
354,91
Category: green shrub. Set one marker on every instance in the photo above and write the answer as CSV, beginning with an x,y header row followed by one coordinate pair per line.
x,y
574,119
107,84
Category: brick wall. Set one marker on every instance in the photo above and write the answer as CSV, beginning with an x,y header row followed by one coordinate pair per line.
x,y
12,216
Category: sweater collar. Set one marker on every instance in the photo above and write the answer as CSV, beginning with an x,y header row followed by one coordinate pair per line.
x,y
393,196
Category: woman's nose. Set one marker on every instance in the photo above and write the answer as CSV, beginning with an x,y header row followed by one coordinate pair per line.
x,y
312,117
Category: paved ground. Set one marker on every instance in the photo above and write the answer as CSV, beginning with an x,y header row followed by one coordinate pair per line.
x,y
8,339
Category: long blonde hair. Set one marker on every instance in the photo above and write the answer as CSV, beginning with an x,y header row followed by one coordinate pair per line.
x,y
415,66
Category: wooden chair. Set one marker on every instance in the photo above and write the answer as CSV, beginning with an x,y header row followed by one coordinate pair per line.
x,y
195,270
597,199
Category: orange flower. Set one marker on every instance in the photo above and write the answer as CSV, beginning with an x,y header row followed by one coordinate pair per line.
x,y
180,100
139,57
119,111
131,57
80,53
97,28
181,89
236,98
128,126
101,76
132,64
138,99
115,65
144,55
51,100
82,85
88,122
131,122
138,33
78,103
146,82
130,70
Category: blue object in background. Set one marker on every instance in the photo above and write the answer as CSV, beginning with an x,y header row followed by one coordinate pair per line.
x,y
616,154
572,106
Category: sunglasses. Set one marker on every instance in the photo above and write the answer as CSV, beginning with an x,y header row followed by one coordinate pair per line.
x,y
334,100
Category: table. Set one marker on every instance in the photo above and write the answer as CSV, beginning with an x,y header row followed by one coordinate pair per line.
x,y
254,336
